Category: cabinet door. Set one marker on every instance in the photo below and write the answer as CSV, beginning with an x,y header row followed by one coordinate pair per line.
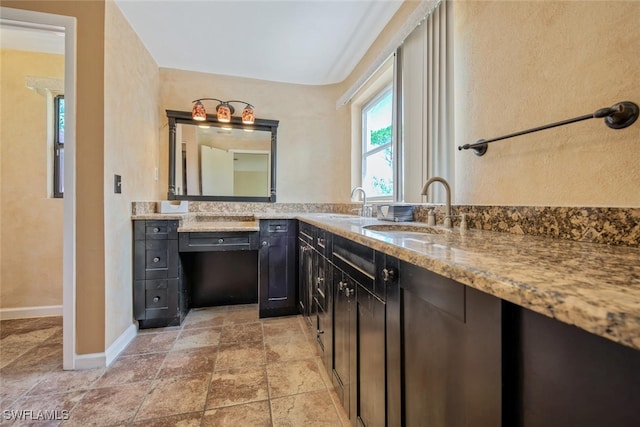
x,y
560,375
342,337
325,319
451,352
277,260
305,277
371,359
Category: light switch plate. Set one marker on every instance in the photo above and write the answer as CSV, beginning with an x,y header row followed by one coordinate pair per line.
x,y
117,184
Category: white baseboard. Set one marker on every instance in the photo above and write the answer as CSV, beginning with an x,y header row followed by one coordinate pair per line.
x,y
103,360
89,361
26,312
120,343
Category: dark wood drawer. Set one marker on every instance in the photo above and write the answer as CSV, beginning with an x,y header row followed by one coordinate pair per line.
x,y
154,299
161,259
306,233
277,227
214,241
161,230
357,261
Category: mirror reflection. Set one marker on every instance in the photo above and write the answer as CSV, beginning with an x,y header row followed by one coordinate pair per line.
x,y
221,161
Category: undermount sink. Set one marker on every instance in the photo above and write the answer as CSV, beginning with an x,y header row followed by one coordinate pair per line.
x,y
406,228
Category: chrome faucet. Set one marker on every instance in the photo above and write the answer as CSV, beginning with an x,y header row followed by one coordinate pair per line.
x,y
365,209
447,218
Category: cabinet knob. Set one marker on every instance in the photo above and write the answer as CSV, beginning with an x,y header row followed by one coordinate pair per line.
x,y
220,240
389,274
265,243
156,299
156,259
348,292
341,286
156,229
320,332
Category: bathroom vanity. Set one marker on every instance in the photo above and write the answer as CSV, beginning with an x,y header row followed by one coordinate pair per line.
x,y
219,261
418,323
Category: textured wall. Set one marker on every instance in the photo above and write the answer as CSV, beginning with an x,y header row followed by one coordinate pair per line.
x,y
31,227
131,151
90,230
523,64
313,148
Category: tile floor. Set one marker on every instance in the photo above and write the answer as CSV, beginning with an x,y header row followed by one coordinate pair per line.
x,y
223,367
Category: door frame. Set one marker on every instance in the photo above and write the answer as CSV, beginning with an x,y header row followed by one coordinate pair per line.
x,y
69,201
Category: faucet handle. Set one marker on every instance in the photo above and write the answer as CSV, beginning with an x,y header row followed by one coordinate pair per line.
x,y
431,218
463,221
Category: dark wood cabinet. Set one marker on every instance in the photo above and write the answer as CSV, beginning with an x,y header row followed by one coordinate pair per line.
x,y
412,348
277,268
450,351
306,271
344,342
158,297
559,375
371,372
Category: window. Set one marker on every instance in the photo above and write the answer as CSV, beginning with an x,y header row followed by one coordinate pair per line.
x,y
58,147
377,146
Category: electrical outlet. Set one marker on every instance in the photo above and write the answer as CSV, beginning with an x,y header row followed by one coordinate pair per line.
x,y
117,184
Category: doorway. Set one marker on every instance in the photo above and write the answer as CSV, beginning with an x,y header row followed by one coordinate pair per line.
x,y
67,25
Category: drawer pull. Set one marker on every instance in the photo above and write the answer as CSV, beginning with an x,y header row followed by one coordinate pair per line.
x,y
156,259
156,229
156,299
220,240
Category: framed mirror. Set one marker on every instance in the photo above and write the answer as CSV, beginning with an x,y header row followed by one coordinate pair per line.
x,y
214,161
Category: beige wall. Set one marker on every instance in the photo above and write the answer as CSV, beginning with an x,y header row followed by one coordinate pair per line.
x,y
313,142
523,64
132,124
31,226
90,292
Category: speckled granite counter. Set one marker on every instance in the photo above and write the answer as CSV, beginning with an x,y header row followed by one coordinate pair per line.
x,y
595,287
206,222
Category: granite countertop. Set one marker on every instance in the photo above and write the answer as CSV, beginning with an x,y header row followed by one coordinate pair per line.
x,y
207,222
592,286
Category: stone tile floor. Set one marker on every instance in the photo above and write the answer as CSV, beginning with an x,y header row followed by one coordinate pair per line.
x,y
223,367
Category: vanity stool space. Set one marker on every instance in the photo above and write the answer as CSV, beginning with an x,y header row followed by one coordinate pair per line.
x,y
175,271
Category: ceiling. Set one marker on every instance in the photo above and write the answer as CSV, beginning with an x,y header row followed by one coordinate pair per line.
x,y
31,37
312,42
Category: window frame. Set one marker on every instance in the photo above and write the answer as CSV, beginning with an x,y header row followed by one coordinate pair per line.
x,y
58,178
365,153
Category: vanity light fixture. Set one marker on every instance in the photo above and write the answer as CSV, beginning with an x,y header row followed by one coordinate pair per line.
x,y
224,111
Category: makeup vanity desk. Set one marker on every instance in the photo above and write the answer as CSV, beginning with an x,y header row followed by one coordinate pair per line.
x,y
188,261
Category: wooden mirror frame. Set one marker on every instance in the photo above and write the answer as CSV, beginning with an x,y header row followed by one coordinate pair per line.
x,y
184,117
